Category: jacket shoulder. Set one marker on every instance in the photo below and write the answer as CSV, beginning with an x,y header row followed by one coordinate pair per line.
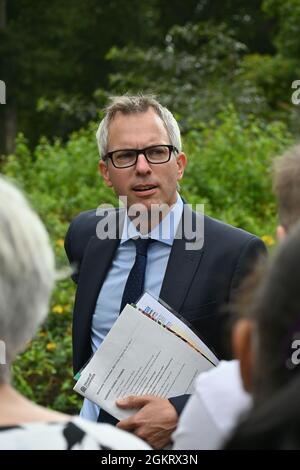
x,y
81,229
236,247
85,222
214,229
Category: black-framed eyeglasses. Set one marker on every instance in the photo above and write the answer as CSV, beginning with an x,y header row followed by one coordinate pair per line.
x,y
156,154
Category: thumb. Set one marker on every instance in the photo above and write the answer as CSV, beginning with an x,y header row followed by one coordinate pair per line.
x,y
132,402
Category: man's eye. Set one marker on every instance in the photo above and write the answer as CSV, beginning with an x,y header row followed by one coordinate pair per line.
x,y
155,152
126,155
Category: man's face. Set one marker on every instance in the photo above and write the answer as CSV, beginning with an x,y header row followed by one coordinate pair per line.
x,y
137,131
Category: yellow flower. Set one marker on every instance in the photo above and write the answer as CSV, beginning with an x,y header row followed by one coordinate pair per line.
x,y
58,309
60,242
268,240
51,346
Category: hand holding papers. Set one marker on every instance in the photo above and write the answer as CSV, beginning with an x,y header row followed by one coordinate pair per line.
x,y
139,356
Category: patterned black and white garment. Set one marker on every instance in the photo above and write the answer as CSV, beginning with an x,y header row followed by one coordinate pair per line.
x,y
76,434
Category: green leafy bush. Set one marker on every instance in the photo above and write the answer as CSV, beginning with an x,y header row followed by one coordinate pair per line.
x,y
230,166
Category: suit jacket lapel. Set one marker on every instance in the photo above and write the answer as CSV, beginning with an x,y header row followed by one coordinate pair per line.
x,y
184,259
96,262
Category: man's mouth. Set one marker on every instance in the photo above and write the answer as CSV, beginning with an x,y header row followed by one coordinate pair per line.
x,y
140,188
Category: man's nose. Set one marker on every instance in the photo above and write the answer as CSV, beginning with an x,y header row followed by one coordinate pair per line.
x,y
142,165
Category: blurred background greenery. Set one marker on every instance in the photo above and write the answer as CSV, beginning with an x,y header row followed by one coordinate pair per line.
x,y
224,68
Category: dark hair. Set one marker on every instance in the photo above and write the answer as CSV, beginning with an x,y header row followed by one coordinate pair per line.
x,y
273,425
274,305
276,313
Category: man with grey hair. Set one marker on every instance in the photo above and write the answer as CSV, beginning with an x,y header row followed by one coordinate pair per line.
x,y
142,160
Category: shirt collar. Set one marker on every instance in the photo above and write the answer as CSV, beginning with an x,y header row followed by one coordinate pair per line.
x,y
163,232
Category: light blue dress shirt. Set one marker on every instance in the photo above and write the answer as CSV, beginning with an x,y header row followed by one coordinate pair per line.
x,y
110,296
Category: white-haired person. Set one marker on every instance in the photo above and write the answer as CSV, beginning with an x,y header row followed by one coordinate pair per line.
x,y
27,274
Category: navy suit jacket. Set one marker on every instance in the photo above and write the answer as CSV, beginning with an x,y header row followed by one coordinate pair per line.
x,y
198,284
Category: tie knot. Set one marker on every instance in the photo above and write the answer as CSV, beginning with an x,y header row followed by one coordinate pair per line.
x,y
141,245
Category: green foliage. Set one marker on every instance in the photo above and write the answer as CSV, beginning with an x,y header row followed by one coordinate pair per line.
x,y
61,180
55,51
44,371
286,34
197,71
216,59
229,165
61,61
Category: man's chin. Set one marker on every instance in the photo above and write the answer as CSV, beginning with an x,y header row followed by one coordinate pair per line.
x,y
146,204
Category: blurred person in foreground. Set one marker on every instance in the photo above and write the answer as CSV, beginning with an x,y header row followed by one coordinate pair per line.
x,y
27,275
220,397
267,341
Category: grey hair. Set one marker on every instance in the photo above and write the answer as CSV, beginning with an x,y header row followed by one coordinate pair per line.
x,y
27,273
136,104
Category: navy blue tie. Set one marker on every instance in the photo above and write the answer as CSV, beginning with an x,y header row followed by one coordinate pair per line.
x,y
136,278
132,291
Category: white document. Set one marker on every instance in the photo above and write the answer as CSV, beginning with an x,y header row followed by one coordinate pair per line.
x,y
155,309
139,357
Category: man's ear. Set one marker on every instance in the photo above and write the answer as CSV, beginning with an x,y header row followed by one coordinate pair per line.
x,y
103,169
280,233
181,162
243,350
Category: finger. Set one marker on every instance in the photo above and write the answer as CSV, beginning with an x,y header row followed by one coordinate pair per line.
x,y
126,424
133,402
